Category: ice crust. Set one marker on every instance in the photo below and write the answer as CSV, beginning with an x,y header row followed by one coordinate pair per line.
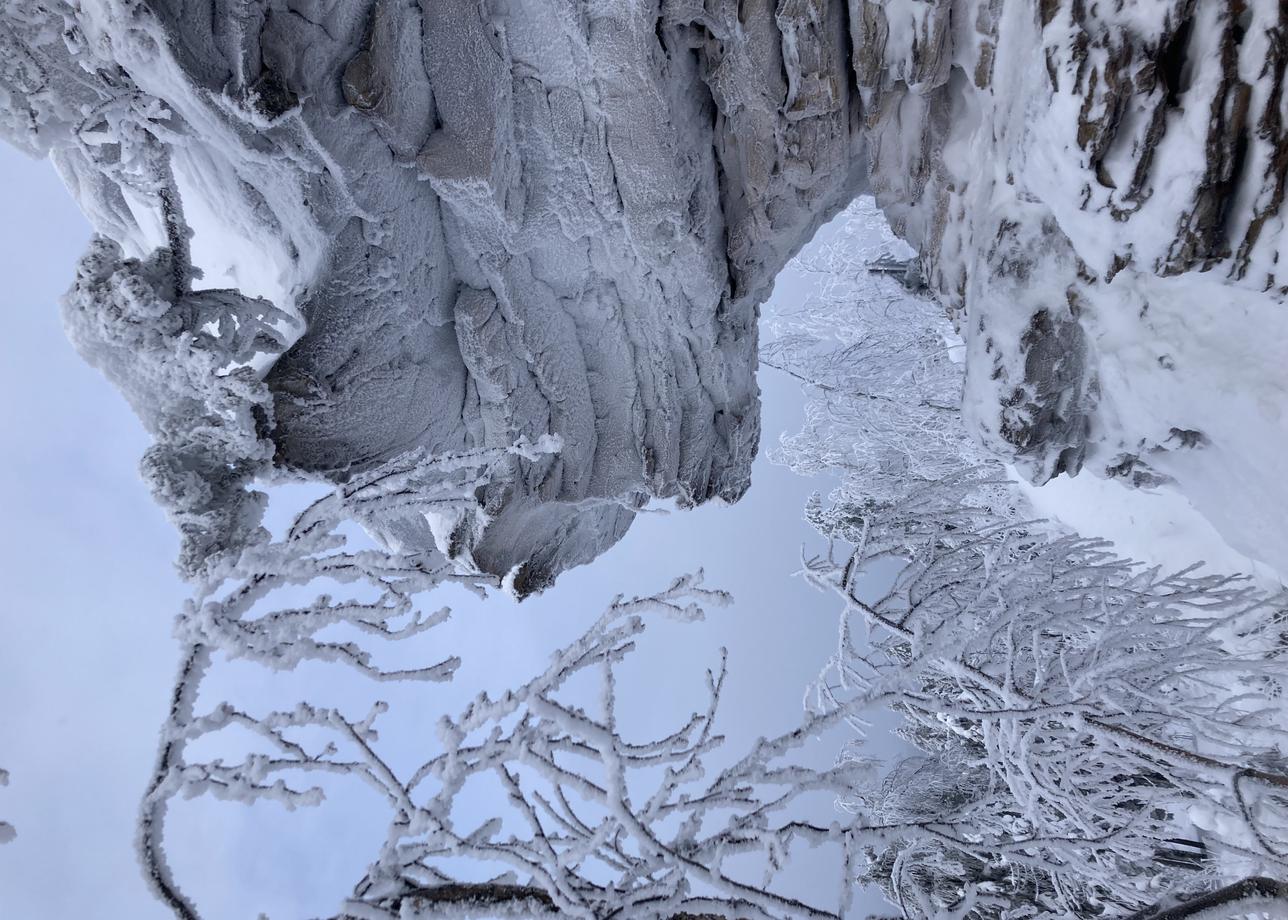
x,y
482,222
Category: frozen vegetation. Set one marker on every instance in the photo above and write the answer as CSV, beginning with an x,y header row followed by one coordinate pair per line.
x,y
491,273
1080,725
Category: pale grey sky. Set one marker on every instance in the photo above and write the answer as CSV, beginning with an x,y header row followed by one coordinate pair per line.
x,y
86,659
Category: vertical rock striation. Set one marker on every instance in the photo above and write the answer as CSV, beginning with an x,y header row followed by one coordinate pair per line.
x,y
481,222
489,221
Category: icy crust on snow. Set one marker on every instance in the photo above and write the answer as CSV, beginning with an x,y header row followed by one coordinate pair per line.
x,y
1097,193
477,223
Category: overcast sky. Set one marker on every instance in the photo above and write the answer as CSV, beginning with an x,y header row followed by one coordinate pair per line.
x,y
87,658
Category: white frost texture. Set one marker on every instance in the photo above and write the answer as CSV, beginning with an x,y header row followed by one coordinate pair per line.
x,y
333,233
1097,194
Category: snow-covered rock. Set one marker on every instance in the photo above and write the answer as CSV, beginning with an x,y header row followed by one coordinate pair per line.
x,y
1097,192
486,221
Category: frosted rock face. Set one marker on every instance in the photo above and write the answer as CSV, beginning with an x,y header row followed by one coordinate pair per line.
x,y
481,222
478,222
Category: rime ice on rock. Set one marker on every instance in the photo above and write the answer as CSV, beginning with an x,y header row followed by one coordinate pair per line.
x,y
487,223
484,222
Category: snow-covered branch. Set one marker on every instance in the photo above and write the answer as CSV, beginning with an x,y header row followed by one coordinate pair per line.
x,y
1092,729
588,838
1245,897
589,823
235,614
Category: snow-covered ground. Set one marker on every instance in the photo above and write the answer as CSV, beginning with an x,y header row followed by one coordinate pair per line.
x,y
1193,383
1156,526
1206,358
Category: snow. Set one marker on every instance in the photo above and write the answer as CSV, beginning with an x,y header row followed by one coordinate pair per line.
x,y
1156,526
1207,358
1064,186
560,227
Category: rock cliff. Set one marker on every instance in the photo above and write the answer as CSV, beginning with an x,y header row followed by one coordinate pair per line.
x,y
467,223
1097,193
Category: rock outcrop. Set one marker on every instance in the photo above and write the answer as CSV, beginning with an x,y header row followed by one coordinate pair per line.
x,y
1049,159
491,221
1097,193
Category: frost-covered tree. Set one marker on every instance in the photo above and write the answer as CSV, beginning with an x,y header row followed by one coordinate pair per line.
x,y
1089,733
876,360
186,361
1093,732
233,615
190,361
590,822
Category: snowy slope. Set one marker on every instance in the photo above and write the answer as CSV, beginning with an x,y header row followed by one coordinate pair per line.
x,y
1097,192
